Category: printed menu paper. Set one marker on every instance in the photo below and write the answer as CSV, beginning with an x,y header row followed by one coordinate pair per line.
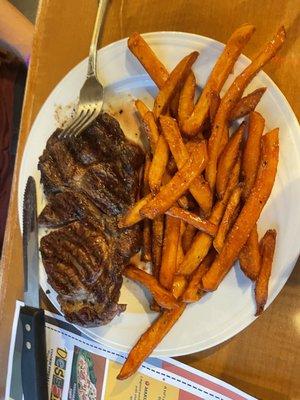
x,y
81,369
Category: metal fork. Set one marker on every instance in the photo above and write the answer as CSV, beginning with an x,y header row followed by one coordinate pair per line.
x,y
91,94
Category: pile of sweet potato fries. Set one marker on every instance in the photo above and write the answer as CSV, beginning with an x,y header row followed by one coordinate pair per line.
x,y
203,189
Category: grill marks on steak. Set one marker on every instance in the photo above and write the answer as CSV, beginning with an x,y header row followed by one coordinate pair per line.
x,y
100,163
88,183
78,247
80,265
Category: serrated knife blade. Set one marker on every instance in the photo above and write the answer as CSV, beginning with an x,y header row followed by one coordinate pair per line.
x,y
30,246
33,359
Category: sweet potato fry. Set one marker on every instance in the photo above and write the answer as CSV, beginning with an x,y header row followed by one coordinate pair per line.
x,y
146,248
249,214
199,188
217,78
196,253
173,84
186,99
187,237
191,143
193,219
202,241
148,59
267,247
169,255
145,186
149,123
232,183
152,64
132,216
230,99
179,286
247,104
174,104
249,256
193,291
162,296
228,218
251,154
158,164
228,159
184,202
151,130
215,100
180,253
181,181
149,340
157,243
171,132
201,244
172,167
141,107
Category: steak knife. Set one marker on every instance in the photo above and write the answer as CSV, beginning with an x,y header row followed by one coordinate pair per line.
x,y
33,360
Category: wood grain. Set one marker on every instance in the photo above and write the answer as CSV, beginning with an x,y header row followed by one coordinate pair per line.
x,y
264,359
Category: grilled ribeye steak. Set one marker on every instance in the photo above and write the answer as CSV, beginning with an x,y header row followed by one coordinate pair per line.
x,y
89,182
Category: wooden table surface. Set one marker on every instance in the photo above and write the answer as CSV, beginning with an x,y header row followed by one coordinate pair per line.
x,y
264,359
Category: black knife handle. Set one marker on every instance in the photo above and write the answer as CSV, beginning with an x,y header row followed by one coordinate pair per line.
x,y
33,362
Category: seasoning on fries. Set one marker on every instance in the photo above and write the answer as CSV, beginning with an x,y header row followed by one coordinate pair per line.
x,y
267,248
180,252
202,241
249,256
228,159
186,99
181,181
193,219
247,104
169,254
194,291
139,47
214,102
133,214
199,190
151,130
228,218
217,78
162,296
187,237
157,243
251,153
203,214
249,215
173,83
230,99
149,340
158,165
146,248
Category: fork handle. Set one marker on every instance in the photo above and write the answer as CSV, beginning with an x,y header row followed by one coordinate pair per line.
x,y
92,65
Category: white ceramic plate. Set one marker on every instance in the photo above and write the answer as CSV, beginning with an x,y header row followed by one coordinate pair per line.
x,y
220,315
